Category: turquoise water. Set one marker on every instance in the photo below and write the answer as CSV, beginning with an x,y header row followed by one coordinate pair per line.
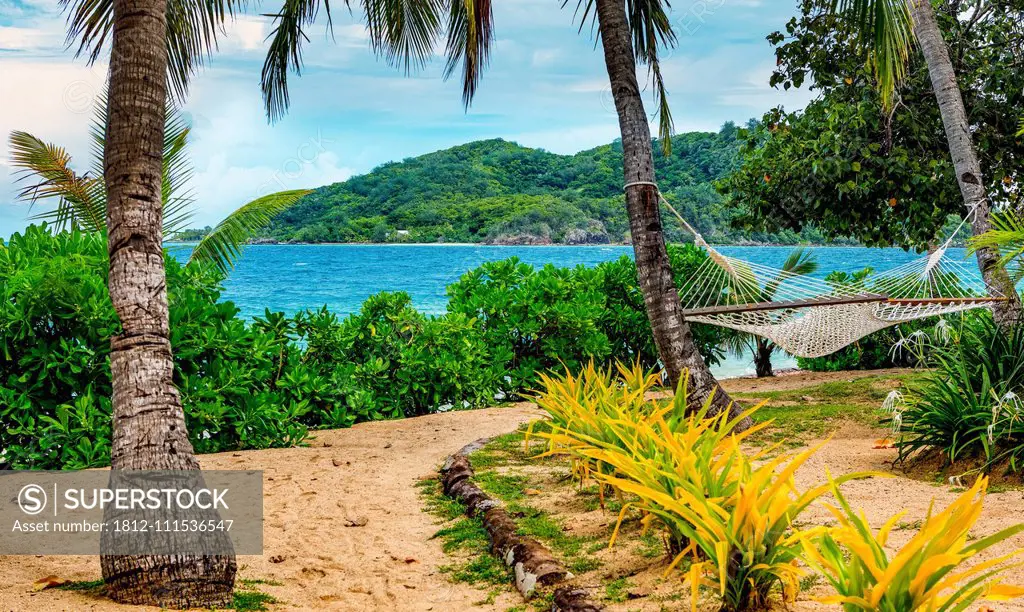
x,y
291,278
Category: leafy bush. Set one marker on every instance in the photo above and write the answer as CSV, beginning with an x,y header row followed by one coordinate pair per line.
x,y
969,405
390,361
552,318
533,320
920,575
56,321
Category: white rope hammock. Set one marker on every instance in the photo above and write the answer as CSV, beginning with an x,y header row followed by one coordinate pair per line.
x,y
810,317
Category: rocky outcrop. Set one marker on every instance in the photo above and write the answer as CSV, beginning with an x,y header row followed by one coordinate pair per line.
x,y
519,240
593,233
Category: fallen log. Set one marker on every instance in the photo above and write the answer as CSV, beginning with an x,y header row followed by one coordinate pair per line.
x,y
531,562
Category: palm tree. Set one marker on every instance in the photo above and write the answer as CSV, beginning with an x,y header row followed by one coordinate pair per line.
x,y
800,262
82,201
152,43
889,27
626,40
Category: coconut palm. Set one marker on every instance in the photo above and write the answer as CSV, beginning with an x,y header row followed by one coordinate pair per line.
x,y
82,202
889,28
800,262
631,32
155,46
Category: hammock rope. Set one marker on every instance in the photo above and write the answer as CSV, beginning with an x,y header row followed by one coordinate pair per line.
x,y
811,317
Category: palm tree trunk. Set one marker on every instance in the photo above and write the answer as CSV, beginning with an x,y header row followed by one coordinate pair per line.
x,y
671,331
763,359
149,424
965,157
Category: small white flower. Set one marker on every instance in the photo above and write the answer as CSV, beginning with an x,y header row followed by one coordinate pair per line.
x,y
942,331
990,432
892,401
897,422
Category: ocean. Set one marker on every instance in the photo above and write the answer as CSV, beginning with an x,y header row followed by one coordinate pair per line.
x,y
291,278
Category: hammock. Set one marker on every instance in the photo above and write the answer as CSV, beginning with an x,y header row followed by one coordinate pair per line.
x,y
810,317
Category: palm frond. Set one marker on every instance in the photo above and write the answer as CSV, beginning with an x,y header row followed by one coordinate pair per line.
x,y
1006,237
403,31
177,173
887,29
470,34
223,245
666,126
800,262
285,52
192,30
650,30
81,199
176,196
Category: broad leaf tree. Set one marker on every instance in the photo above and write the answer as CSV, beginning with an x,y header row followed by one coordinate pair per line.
x,y
889,169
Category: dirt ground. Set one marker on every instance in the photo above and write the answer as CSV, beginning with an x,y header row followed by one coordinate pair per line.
x,y
316,561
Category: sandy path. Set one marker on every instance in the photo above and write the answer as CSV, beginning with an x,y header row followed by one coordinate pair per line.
x,y
388,564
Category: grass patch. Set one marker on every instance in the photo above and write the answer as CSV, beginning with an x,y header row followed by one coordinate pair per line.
x,y
483,568
252,601
503,486
81,585
807,582
466,534
617,591
813,412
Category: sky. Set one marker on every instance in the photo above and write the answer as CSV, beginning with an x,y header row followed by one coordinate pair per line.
x,y
545,87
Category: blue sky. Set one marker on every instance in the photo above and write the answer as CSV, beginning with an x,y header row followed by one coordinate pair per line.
x,y
545,87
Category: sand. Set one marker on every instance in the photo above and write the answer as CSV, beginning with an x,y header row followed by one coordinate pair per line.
x,y
390,563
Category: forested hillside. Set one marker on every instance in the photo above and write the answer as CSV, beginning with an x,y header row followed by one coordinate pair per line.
x,y
499,192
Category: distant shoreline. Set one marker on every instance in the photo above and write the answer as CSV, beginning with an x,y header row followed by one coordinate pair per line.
x,y
768,245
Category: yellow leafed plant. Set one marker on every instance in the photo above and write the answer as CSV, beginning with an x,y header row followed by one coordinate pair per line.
x,y
690,472
925,574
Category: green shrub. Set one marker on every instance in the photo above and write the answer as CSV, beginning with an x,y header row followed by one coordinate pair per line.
x,y
538,320
390,361
56,321
969,404
533,320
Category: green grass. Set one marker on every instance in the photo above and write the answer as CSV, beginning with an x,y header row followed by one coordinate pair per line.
x,y
617,591
81,585
814,411
807,582
252,601
502,486
483,568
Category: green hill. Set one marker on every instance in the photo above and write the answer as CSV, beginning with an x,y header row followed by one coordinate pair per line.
x,y
499,192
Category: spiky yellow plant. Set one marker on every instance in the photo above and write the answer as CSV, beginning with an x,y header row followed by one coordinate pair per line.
x,y
690,472
925,574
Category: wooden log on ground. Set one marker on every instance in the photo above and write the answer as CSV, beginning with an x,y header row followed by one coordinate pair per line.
x,y
571,599
530,560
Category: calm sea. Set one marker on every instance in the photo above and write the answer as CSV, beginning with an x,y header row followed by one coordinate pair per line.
x,y
291,278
